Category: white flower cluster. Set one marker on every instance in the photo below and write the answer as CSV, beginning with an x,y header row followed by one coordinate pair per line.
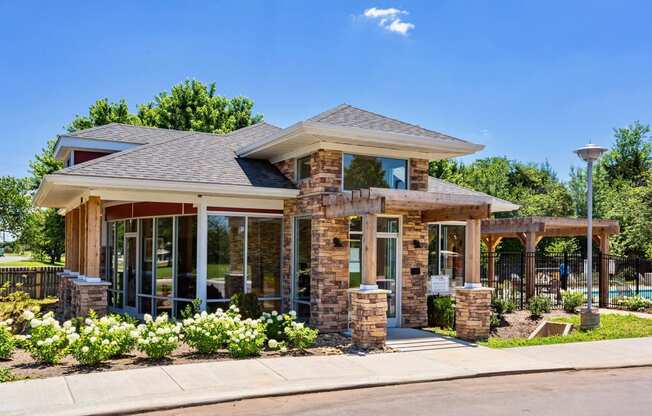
x,y
158,337
46,341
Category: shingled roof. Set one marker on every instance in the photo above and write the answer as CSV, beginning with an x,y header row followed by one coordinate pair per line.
x,y
185,157
126,133
349,116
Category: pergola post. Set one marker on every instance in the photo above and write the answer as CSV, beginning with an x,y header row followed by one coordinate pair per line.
x,y
472,302
604,270
491,242
368,303
93,228
72,249
531,241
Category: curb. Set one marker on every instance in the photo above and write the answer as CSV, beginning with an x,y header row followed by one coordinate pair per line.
x,y
202,398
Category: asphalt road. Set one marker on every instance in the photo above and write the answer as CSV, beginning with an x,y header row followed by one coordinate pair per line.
x,y
600,392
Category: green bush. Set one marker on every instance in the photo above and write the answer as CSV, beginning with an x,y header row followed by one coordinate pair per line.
x,y
46,341
572,300
300,336
496,320
633,303
247,304
275,324
208,332
503,306
441,311
13,305
7,341
100,339
6,375
538,305
158,337
247,339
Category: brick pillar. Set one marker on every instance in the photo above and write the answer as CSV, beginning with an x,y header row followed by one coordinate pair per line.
x,y
86,296
368,318
472,313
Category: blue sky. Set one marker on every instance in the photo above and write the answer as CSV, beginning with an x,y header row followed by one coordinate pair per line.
x,y
530,80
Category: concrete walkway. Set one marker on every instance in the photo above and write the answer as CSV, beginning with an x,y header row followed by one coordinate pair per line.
x,y
152,388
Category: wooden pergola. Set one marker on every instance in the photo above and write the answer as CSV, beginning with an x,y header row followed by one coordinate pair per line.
x,y
368,203
530,230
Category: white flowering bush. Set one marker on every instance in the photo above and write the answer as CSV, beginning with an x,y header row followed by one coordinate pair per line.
x,y
7,341
46,340
100,339
208,332
247,338
158,337
300,336
275,324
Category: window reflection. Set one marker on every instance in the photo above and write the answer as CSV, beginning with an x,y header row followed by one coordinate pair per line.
x,y
186,281
362,172
225,274
264,256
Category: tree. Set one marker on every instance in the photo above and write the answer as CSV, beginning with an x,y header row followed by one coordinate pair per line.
x,y
193,105
44,164
103,112
14,204
630,158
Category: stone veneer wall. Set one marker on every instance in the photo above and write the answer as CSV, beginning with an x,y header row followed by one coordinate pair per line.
x,y
330,264
419,174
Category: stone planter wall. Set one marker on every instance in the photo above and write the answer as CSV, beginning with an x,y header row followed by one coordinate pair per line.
x,y
369,318
473,313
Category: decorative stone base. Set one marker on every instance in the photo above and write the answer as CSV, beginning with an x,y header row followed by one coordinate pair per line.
x,y
368,318
77,297
589,320
473,313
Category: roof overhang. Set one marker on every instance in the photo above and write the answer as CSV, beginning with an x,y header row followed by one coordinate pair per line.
x,y
67,143
307,134
62,191
547,226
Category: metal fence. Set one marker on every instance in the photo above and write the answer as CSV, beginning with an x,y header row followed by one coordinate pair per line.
x,y
552,274
39,282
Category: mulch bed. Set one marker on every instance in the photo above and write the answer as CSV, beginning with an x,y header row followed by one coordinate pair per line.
x,y
23,366
519,324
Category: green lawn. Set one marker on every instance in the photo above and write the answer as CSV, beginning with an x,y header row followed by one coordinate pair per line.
x,y
28,263
611,327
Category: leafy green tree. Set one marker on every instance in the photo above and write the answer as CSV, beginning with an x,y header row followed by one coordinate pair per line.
x,y
193,105
630,158
14,204
104,112
43,164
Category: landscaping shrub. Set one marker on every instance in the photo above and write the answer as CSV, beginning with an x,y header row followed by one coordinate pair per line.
x,y
441,311
13,305
100,339
275,324
208,333
495,320
158,337
7,341
247,339
633,303
300,336
538,305
503,306
247,304
46,340
572,300
191,309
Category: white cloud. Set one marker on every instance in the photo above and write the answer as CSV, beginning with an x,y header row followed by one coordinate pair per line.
x,y
389,19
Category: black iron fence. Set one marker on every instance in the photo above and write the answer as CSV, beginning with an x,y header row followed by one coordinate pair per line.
x,y
40,282
613,277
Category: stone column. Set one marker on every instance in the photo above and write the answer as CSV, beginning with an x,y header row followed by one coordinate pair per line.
x,y
87,296
368,318
472,313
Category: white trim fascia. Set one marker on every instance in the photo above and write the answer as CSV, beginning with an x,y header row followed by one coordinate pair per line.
x,y
373,138
65,143
167,186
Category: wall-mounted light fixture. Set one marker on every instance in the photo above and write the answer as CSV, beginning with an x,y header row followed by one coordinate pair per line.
x,y
417,243
337,242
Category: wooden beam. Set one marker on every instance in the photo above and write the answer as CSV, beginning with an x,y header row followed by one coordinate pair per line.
x,y
474,212
369,226
82,239
93,236
72,253
342,205
472,252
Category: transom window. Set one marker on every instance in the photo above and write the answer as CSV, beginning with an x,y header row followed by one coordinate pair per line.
x,y
361,172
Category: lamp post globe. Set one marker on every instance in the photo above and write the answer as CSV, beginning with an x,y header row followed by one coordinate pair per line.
x,y
589,153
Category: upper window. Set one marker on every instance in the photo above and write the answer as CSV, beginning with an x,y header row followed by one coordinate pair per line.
x,y
362,172
303,167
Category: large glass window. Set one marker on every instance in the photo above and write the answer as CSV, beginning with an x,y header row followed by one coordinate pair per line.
x,y
226,245
362,172
118,281
186,281
302,266
446,251
164,274
264,258
355,252
146,256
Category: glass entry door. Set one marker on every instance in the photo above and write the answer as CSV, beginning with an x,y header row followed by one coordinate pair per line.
x,y
130,270
387,267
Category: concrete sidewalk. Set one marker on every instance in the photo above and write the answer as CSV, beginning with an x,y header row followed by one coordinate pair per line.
x,y
192,384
